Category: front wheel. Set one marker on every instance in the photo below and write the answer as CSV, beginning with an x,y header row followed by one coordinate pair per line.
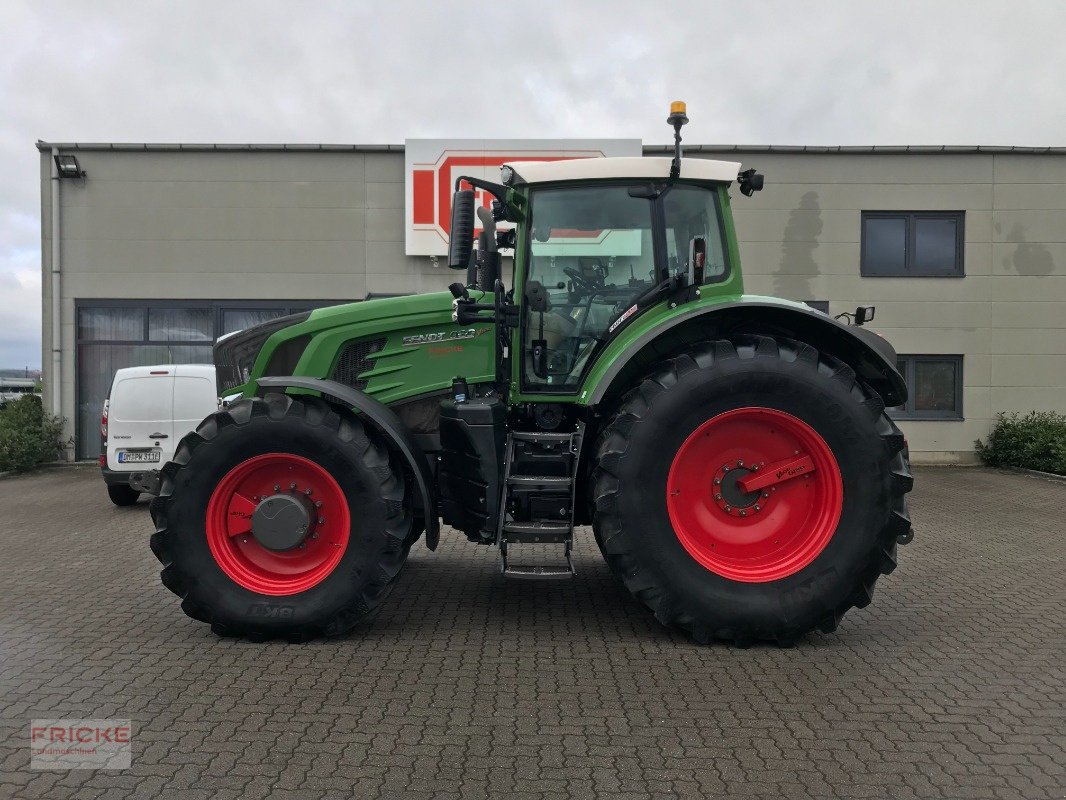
x,y
281,517
752,489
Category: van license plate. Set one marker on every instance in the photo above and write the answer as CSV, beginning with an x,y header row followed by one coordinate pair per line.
x,y
129,458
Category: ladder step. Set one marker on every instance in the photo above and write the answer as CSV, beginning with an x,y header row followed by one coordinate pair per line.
x,y
533,481
533,532
538,573
540,436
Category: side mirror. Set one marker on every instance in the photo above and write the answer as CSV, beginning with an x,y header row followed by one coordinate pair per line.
x,y
461,242
864,314
750,182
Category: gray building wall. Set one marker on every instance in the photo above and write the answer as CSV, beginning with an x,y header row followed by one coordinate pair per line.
x,y
799,238
294,223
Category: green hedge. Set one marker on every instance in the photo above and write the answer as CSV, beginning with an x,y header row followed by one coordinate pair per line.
x,y
1035,441
27,436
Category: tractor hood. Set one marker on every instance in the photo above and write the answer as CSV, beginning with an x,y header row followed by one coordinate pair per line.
x,y
393,348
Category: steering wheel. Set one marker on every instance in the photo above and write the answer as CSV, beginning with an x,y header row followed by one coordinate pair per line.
x,y
582,281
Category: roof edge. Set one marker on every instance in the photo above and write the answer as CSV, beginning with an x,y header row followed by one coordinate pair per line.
x,y
648,149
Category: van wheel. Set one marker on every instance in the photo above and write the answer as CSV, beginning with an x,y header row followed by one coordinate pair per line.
x,y
123,494
281,517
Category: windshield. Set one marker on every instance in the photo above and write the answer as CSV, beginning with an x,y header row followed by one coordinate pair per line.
x,y
592,254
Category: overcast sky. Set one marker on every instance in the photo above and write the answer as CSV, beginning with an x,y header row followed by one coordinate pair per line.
x,y
378,72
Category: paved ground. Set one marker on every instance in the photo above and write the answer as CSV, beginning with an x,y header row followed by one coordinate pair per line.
x,y
952,684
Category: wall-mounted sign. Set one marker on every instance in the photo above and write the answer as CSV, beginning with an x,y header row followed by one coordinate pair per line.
x,y
432,165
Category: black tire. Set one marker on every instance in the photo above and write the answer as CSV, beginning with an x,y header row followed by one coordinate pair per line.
x,y
637,448
379,540
123,494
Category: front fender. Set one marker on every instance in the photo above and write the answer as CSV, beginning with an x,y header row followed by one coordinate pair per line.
x,y
385,421
871,356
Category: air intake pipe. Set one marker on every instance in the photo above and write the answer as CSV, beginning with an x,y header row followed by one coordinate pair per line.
x,y
488,257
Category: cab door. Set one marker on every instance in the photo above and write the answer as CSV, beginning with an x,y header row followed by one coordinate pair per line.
x,y
592,250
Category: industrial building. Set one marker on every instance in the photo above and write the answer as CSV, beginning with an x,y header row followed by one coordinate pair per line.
x,y
151,251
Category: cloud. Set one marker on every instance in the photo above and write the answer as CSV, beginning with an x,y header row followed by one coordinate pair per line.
x,y
274,71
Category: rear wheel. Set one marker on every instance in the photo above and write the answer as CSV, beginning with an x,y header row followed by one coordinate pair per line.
x,y
751,490
123,494
281,517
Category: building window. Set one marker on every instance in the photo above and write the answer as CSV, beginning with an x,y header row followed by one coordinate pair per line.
x,y
934,386
912,244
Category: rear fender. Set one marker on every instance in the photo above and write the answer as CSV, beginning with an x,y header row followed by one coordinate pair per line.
x,y
385,422
870,355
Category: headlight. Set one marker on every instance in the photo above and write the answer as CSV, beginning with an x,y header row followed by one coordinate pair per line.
x,y
234,354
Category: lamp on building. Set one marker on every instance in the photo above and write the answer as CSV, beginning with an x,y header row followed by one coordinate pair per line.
x,y
68,166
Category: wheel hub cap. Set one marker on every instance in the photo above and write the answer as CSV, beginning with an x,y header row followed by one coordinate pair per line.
x,y
281,522
730,497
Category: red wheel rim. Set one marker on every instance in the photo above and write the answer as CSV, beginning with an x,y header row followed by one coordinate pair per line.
x,y
754,494
243,558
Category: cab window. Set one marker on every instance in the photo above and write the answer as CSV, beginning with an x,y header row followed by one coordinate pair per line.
x,y
693,224
591,255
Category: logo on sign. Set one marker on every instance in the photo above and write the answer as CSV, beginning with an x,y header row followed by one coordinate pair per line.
x,y
432,166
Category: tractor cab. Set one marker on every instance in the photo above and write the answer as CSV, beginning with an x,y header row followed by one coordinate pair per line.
x,y
596,242
597,253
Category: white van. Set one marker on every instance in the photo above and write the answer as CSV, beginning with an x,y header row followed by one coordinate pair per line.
x,y
146,413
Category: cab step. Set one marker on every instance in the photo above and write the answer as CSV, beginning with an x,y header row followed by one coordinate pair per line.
x,y
548,482
543,503
542,437
542,531
551,571
539,573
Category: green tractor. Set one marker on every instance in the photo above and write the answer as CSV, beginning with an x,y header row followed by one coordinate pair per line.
x,y
731,452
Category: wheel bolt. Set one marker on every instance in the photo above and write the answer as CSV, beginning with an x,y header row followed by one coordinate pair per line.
x,y
718,497
318,504
717,482
307,491
277,488
740,463
758,507
321,521
743,513
729,508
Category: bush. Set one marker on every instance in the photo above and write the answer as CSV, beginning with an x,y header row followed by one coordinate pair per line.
x,y
27,436
1035,441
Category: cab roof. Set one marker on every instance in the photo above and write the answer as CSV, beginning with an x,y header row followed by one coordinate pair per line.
x,y
699,169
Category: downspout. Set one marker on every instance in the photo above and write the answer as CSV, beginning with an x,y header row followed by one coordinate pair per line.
x,y
57,305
